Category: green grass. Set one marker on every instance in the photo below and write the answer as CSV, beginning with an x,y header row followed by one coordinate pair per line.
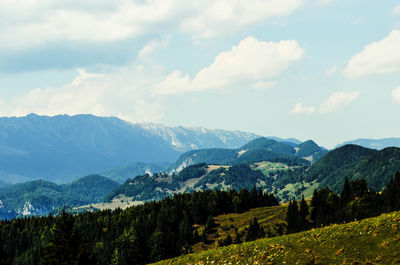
x,y
370,241
227,223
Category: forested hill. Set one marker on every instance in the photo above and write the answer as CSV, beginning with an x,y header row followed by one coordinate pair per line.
x,y
40,197
286,177
354,162
260,149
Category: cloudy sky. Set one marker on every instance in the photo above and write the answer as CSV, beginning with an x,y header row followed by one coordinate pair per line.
x,y
327,70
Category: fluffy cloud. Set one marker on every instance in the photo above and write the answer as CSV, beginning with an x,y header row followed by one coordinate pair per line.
x,y
382,57
396,95
300,109
121,92
35,22
337,100
250,62
334,102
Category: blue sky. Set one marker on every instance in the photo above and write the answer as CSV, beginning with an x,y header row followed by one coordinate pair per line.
x,y
327,70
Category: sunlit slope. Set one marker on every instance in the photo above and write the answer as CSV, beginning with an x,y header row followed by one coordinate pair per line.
x,y
370,241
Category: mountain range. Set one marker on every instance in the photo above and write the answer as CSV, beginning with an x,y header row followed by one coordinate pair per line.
x,y
62,148
378,144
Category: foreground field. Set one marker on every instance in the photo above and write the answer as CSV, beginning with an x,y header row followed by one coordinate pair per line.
x,y
370,241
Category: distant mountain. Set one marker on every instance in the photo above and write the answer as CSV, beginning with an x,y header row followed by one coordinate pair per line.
x,y
259,149
378,144
41,197
62,148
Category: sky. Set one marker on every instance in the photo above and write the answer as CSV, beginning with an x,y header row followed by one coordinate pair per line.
x,y
327,70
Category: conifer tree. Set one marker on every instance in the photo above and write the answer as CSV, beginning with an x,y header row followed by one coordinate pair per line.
x,y
304,212
292,217
347,192
254,231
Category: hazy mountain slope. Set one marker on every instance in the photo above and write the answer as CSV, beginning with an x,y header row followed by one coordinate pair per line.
x,y
185,139
375,143
62,148
39,197
121,174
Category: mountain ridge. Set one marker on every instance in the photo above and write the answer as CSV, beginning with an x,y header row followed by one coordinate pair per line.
x,y
62,148
378,144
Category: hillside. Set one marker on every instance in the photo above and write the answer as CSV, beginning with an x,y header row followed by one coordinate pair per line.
x,y
62,148
370,241
40,197
259,149
285,177
271,219
353,161
271,176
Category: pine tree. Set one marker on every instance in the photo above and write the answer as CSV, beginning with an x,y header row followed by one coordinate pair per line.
x,y
254,231
347,193
304,212
292,217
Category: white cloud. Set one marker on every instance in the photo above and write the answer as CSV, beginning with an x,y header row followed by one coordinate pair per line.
x,y
25,24
396,95
396,10
121,92
300,109
151,46
250,62
382,57
337,100
331,71
221,16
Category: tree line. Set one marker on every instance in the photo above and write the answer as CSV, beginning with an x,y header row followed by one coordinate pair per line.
x,y
138,235
356,201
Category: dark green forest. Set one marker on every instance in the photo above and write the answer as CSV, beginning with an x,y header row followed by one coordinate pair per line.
x,y
137,235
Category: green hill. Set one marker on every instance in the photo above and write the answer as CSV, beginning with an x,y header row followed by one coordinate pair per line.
x,y
353,161
40,197
370,241
270,176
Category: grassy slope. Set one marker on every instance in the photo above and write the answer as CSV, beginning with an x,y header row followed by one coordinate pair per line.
x,y
370,241
227,223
